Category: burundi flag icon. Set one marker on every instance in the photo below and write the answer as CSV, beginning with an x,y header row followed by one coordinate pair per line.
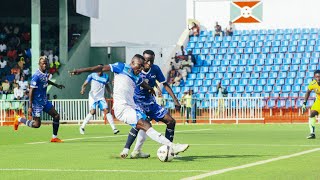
x,y
246,11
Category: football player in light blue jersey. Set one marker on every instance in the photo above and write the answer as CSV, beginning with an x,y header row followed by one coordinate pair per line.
x,y
125,81
99,83
148,104
38,101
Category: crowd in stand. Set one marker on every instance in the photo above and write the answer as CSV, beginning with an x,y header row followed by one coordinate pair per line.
x,y
195,30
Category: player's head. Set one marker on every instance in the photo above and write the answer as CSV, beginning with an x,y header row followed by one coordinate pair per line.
x,y
317,75
100,72
149,59
137,63
43,64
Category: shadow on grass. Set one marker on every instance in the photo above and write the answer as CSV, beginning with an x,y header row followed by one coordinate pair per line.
x,y
194,158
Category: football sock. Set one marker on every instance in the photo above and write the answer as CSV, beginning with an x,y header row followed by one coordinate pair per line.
x,y
312,124
55,127
86,120
170,134
140,140
26,122
110,120
131,137
156,136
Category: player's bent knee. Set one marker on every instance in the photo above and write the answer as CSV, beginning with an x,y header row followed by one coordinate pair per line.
x,y
36,125
56,117
143,125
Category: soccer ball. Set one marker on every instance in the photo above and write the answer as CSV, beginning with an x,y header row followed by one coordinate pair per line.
x,y
165,153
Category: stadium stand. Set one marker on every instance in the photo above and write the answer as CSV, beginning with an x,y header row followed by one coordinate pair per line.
x,y
269,63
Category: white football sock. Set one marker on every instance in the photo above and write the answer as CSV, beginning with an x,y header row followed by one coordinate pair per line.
x,y
110,120
158,137
86,120
142,136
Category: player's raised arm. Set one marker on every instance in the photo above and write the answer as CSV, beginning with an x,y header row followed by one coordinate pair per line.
x,y
98,68
60,86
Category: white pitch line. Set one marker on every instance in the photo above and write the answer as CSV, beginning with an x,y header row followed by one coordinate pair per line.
x,y
100,170
212,173
266,145
115,136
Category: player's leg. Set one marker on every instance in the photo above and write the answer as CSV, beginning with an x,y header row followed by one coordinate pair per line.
x,y
55,123
92,112
104,106
35,123
312,121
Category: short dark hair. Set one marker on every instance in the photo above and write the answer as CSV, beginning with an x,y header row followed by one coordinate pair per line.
x,y
317,72
150,52
138,56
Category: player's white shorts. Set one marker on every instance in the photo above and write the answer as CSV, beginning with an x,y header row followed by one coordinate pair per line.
x,y
102,104
128,114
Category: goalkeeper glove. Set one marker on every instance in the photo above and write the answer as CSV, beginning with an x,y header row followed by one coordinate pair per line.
x,y
304,107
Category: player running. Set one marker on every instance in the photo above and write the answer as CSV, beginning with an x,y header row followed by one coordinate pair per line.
x,y
315,109
99,82
38,101
125,80
148,104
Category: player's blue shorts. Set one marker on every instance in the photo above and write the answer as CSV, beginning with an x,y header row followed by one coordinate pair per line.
x,y
38,108
102,104
153,110
139,115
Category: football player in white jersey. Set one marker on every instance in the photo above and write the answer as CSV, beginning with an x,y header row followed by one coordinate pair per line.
x,y
125,80
99,83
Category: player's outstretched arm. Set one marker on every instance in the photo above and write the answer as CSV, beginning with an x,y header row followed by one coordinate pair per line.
x,y
108,89
149,88
60,86
306,97
175,99
98,68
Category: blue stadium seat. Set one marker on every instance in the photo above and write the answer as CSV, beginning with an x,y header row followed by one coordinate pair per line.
x,y
233,44
286,88
222,69
253,56
257,69
227,56
248,50
245,56
303,68
252,82
251,62
210,39
243,62
191,76
231,50
206,63
189,83
200,75
304,89
199,45
274,95
231,69
204,51
227,75
281,103
261,37
284,95
266,68
195,69
269,61
276,89
257,50
201,57
239,89
218,76
278,37
210,75
302,42
282,75
225,62
176,89
234,62
213,51
295,61
312,67
225,82
309,48
284,68
203,89
213,69
298,81
250,44
216,62
271,103
275,68
255,75
292,75
294,67
204,69
315,55
258,89
236,56
227,38
190,45
200,96
300,49
280,81
231,89
309,74
237,75
195,51
278,61
283,49
265,50
292,49
213,89
301,74
256,95
208,95
203,33
194,39
209,58
264,75
245,75
206,82
274,49
249,69
199,63
216,45
225,44
249,89
262,82
260,62
243,82
273,75
306,55
314,61
296,88
234,82
239,50
202,39
271,82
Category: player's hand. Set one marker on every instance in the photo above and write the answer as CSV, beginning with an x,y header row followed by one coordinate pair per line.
x,y
29,111
60,86
304,107
151,91
82,91
74,72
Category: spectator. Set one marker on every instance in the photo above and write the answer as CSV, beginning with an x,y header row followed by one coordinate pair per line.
x,y
16,72
183,104
1,90
55,96
191,57
3,48
18,93
176,64
218,30
23,83
190,105
25,95
27,52
174,78
27,63
12,54
3,63
6,87
230,29
187,65
53,68
194,30
183,72
50,57
221,91
21,63
182,52
26,72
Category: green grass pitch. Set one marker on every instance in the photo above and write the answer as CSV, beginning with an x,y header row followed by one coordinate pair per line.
x,y
95,155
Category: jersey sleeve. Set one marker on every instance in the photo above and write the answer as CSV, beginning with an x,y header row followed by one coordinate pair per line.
x,y
34,81
117,67
159,75
310,86
89,78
